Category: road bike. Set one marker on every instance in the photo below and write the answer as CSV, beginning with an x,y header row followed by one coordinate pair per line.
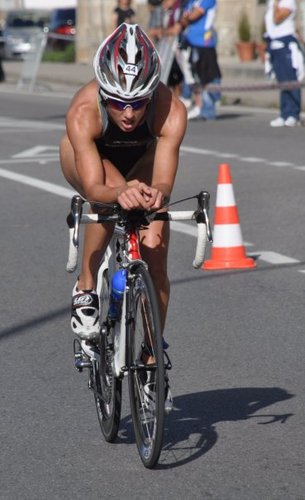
x,y
130,340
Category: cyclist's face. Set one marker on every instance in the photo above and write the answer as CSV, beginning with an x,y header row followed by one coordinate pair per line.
x,y
128,118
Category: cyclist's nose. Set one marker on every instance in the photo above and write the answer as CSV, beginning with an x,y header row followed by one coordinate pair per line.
x,y
128,111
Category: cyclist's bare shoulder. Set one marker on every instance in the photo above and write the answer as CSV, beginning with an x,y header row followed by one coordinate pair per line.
x,y
83,118
170,114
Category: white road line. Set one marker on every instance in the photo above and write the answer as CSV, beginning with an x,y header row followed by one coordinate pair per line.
x,y
29,124
38,159
251,159
33,125
6,123
274,257
281,164
198,151
182,227
267,256
37,183
218,154
40,151
226,155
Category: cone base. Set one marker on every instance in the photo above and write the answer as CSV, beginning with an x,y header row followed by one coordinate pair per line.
x,y
245,263
229,258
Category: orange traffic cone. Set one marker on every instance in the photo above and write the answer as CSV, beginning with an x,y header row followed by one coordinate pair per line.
x,y
228,250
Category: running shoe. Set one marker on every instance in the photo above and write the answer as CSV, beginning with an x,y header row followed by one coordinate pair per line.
x,y
291,121
277,122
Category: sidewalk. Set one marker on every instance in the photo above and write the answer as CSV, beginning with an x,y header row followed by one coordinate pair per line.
x,y
67,78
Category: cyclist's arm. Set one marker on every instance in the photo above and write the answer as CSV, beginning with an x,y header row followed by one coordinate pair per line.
x,y
191,15
170,126
280,13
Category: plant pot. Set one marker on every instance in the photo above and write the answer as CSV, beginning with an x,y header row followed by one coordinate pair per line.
x,y
245,50
260,50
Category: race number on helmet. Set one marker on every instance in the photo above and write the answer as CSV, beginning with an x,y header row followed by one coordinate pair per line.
x,y
127,65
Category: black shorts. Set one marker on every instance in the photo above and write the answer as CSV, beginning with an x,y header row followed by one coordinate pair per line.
x,y
175,75
206,67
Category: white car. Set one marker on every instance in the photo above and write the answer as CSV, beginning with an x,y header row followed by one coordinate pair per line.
x,y
20,26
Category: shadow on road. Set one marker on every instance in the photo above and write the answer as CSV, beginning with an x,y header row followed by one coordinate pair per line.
x,y
232,116
190,430
37,321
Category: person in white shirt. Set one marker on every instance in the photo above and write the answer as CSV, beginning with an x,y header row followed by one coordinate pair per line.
x,y
284,55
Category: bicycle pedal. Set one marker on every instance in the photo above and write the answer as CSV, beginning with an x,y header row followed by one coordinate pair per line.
x,y
81,363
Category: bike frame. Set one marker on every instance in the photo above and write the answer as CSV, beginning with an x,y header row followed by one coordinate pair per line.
x,y
129,250
131,254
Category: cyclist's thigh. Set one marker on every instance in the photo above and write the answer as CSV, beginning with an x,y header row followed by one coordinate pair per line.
x,y
155,238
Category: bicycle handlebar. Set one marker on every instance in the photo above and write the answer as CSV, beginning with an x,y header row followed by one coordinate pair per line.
x,y
140,218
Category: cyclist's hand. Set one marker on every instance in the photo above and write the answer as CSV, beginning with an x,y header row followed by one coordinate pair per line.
x,y
153,197
135,196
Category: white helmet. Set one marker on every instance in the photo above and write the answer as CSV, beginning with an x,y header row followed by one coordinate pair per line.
x,y
127,65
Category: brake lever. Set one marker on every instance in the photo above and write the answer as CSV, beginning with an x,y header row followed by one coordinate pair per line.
x,y
76,211
202,212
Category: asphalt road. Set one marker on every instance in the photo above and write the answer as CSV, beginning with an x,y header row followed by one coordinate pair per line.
x,y
237,337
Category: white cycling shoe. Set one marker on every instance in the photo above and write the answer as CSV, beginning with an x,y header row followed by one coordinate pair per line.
x,y
85,314
149,394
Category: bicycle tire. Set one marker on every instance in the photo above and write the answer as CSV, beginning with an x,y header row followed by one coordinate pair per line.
x,y
146,381
108,394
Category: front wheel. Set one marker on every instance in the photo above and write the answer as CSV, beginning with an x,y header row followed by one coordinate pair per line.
x,y
146,367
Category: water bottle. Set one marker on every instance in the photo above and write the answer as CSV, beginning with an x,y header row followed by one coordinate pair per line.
x,y
118,284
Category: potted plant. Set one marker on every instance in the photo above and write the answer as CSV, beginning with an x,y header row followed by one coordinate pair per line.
x,y
245,47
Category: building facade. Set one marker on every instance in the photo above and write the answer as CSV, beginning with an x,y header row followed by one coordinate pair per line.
x,y
94,21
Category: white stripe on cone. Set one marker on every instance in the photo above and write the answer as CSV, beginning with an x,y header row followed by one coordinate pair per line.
x,y
227,235
225,196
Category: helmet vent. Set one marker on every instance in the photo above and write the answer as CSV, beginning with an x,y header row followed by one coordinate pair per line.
x,y
123,54
122,78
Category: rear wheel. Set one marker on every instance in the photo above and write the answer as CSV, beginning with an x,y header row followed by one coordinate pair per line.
x,y
108,393
146,368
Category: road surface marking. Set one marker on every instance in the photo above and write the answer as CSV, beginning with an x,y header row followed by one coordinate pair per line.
x,y
38,151
26,125
37,183
250,159
274,257
267,256
34,125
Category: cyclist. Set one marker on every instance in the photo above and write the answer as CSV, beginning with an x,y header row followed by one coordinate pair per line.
x,y
122,140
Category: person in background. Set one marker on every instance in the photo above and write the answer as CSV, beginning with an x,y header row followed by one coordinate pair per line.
x,y
284,58
123,13
171,11
155,21
2,74
197,21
